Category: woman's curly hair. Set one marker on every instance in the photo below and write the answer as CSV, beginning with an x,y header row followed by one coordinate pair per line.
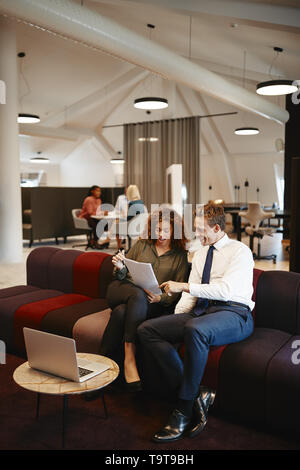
x,y
178,239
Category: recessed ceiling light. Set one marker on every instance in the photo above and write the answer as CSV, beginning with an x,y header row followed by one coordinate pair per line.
x,y
148,139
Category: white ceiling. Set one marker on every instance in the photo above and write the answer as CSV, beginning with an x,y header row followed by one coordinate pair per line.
x,y
72,86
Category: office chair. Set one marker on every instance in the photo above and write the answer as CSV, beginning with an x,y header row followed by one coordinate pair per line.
x,y
255,215
82,224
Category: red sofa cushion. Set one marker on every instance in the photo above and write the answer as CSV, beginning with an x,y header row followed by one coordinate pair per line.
x,y
87,270
31,315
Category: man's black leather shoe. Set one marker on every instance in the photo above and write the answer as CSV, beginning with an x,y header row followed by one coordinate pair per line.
x,y
174,429
200,410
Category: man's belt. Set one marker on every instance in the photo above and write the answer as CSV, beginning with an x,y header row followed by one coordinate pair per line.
x,y
228,303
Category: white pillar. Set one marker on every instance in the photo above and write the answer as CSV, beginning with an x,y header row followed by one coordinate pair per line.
x,y
10,191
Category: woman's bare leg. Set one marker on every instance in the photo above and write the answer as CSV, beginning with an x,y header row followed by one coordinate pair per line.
x,y
130,368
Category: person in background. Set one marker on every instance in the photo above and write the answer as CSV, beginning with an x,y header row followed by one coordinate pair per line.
x,y
135,205
89,208
121,210
164,247
121,207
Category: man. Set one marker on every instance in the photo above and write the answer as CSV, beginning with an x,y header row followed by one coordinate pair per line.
x,y
214,309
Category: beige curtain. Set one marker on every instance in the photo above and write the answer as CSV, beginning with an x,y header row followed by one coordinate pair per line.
x,y
146,160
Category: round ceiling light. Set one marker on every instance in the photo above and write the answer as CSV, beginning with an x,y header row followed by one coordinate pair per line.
x,y
117,160
25,118
151,103
246,131
276,87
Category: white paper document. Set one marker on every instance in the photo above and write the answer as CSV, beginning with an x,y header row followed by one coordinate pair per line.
x,y
143,276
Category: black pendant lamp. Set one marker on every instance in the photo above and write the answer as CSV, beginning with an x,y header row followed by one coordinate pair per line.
x,y
246,130
151,102
26,118
276,87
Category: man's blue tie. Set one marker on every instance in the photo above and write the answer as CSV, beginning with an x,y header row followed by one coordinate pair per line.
x,y
202,304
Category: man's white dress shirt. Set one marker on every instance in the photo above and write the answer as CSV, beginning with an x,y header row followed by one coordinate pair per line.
x,y
231,275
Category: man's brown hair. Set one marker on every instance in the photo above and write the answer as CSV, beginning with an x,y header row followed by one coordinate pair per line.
x,y
214,213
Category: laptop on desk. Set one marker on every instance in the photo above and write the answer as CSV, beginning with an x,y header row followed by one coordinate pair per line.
x,y
56,355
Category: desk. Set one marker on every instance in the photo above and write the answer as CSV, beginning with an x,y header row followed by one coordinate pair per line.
x,y
115,225
233,209
236,220
41,382
279,214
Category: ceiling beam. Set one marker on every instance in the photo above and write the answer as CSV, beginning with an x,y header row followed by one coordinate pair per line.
x,y
125,81
269,15
121,101
61,133
95,30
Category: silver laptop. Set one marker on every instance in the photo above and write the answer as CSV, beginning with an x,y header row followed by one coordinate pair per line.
x,y
56,355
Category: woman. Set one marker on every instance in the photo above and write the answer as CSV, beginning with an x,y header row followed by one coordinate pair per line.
x,y
164,248
89,208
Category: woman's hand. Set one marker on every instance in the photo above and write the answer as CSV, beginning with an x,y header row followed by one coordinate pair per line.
x,y
172,287
152,298
118,260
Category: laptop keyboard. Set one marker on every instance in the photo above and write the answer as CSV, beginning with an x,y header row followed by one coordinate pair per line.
x,y
83,372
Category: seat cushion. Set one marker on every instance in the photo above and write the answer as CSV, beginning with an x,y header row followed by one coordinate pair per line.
x,y
61,321
243,372
88,331
283,388
9,306
278,301
70,271
16,290
37,266
211,372
31,314
92,272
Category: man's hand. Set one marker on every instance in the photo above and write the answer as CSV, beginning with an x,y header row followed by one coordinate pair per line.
x,y
152,298
172,287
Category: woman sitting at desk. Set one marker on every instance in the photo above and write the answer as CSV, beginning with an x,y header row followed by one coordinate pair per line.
x,y
164,247
89,208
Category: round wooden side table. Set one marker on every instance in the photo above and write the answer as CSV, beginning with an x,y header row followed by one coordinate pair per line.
x,y
43,383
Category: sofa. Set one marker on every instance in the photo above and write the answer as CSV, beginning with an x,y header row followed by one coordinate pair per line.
x,y
256,380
